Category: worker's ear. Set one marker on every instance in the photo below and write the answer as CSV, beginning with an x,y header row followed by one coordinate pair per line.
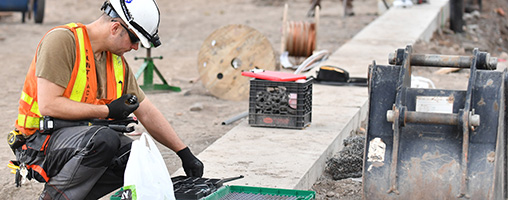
x,y
115,28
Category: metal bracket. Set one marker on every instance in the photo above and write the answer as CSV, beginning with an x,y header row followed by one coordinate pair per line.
x,y
148,68
466,119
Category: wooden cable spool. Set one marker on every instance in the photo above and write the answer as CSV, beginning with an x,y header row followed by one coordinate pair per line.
x,y
299,38
227,52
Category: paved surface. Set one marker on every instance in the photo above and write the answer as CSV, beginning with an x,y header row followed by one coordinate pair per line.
x,y
295,159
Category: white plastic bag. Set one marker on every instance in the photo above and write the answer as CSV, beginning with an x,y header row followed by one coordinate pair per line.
x,y
146,176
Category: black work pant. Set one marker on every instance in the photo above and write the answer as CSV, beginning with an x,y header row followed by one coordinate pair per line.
x,y
85,162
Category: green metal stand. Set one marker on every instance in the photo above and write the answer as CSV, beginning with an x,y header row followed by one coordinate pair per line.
x,y
148,68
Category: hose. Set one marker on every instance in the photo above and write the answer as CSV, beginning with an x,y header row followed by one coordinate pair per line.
x,y
312,61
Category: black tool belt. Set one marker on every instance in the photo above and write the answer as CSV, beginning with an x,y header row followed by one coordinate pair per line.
x,y
49,124
31,151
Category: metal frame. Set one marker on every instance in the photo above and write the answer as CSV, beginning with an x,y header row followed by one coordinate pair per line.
x,y
148,68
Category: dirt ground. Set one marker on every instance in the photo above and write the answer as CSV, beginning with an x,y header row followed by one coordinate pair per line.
x,y
184,26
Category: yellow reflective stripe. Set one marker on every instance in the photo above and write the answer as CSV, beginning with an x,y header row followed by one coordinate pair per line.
x,y
119,78
26,98
21,120
35,109
31,122
80,83
72,25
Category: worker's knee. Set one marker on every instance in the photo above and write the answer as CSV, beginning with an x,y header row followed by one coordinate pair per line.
x,y
102,147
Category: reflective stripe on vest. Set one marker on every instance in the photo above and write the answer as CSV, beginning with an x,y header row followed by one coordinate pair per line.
x,y
29,122
85,78
119,74
29,100
80,83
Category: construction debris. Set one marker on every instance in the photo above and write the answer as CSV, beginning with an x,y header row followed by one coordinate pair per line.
x,y
349,161
196,107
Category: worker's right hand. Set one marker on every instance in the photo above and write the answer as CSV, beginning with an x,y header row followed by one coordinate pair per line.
x,y
122,107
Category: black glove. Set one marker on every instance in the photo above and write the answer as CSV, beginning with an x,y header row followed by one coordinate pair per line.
x,y
122,107
192,166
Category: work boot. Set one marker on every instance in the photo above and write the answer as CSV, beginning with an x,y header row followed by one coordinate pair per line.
x,y
349,11
311,12
315,3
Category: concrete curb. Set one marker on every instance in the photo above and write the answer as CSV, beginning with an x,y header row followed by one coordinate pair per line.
x,y
295,159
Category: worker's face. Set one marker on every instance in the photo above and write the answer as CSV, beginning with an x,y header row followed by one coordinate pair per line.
x,y
125,41
132,36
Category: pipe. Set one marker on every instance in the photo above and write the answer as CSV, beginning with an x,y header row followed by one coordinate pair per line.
x,y
432,118
235,118
437,60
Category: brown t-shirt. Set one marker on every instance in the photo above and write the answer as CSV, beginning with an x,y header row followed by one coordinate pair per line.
x,y
56,57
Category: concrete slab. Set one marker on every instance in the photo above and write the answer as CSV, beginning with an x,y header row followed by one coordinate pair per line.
x,y
395,29
295,159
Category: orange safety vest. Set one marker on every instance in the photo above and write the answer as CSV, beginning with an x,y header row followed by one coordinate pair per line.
x,y
83,84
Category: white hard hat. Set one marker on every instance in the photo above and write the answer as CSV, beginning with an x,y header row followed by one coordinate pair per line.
x,y
142,16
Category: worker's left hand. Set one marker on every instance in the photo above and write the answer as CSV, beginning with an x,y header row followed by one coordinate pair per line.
x,y
192,166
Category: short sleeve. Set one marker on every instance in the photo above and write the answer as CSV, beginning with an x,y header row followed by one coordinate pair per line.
x,y
56,56
132,85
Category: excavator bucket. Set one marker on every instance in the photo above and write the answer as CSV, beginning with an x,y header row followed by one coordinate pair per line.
x,y
436,143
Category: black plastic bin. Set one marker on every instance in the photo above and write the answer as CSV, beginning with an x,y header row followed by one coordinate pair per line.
x,y
280,104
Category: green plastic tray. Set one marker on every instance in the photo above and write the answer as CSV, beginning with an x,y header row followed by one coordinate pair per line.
x,y
241,192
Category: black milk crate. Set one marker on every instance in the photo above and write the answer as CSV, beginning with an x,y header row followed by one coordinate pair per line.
x,y
280,104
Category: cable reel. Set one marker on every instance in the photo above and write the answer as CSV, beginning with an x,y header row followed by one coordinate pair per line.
x,y
299,38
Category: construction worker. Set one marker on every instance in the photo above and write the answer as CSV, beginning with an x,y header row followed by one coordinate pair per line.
x,y
78,73
348,9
